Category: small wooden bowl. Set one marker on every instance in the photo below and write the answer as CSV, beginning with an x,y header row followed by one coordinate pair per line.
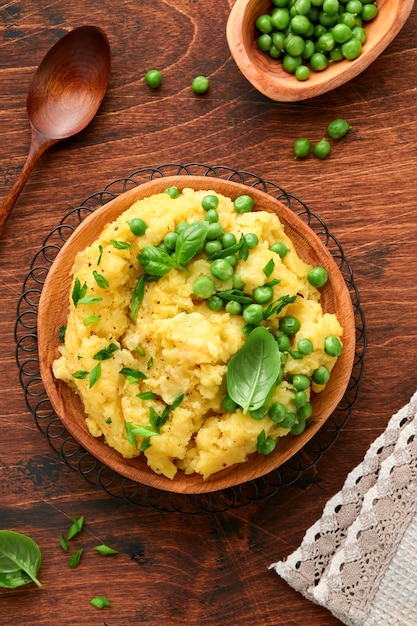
x,y
53,312
267,74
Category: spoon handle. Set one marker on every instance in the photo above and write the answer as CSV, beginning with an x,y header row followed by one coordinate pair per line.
x,y
37,147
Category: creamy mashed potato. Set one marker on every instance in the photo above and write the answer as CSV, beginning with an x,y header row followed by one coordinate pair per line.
x,y
154,384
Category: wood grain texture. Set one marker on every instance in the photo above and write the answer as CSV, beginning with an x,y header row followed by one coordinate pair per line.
x,y
210,568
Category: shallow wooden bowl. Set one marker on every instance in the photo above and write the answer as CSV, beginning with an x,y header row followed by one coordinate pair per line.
x,y
267,74
53,311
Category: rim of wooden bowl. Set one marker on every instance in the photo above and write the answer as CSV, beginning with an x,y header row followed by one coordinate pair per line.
x,y
268,76
53,311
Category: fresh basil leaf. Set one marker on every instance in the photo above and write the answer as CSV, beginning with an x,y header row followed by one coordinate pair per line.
x,y
190,242
101,280
252,372
156,261
20,560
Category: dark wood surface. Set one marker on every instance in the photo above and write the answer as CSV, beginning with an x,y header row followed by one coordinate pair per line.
x,y
211,568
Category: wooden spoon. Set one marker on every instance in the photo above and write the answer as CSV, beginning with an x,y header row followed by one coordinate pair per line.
x,y
64,96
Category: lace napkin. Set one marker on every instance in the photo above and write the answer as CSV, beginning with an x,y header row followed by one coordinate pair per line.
x,y
360,559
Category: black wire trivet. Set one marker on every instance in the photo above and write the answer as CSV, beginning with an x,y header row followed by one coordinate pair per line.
x,y
95,472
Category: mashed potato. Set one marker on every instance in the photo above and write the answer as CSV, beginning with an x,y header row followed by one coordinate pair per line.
x,y
148,358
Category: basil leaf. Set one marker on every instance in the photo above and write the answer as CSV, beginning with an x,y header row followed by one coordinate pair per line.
x,y
252,372
155,261
190,242
20,560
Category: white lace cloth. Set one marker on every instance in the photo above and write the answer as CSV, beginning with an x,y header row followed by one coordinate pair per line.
x,y
360,559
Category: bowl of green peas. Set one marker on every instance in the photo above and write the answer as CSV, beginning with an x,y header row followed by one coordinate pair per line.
x,y
292,50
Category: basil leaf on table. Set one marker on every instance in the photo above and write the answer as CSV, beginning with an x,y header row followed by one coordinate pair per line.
x,y
253,371
190,242
20,560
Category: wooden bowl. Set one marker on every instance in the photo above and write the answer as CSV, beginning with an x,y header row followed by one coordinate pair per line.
x,y
53,311
267,74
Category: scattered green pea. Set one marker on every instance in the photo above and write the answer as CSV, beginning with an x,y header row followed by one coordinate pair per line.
x,y
280,248
338,128
251,239
137,226
321,375
200,84
332,345
203,287
210,201
289,325
263,294
153,78
322,149
172,192
221,269
234,308
253,313
243,204
317,276
305,346
302,148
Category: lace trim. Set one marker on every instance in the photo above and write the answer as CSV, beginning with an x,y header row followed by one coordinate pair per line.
x,y
344,555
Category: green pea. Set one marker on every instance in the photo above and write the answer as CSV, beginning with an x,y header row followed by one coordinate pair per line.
x,y
277,412
284,344
228,239
354,6
264,42
336,54
214,231
243,204
359,33
321,375
331,7
318,62
153,78
305,411
341,33
332,345
263,294
251,240
203,287
294,45
305,346
290,63
278,40
253,313
231,259
137,226
288,421
211,216
215,303
300,398
351,49
212,247
172,192
317,276
298,427
302,6
264,23
300,382
229,405
289,325
369,12
233,307
258,414
338,128
181,227
300,24
302,72
309,49
280,248
221,269
280,18
348,19
326,42
327,19
274,52
210,201
322,149
238,282
200,84
170,240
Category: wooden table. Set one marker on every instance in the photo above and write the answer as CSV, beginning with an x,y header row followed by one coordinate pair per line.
x,y
207,568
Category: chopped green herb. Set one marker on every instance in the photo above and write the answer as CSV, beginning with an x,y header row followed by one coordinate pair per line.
x,y
76,527
100,602
91,319
177,401
90,300
80,374
132,375
269,268
147,395
120,245
108,420
101,280
106,353
75,558
78,292
135,430
64,543
100,249
105,550
149,363
140,350
95,374
61,334
137,297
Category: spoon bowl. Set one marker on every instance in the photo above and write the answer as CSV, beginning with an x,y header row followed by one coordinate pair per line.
x,y
64,96
268,76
